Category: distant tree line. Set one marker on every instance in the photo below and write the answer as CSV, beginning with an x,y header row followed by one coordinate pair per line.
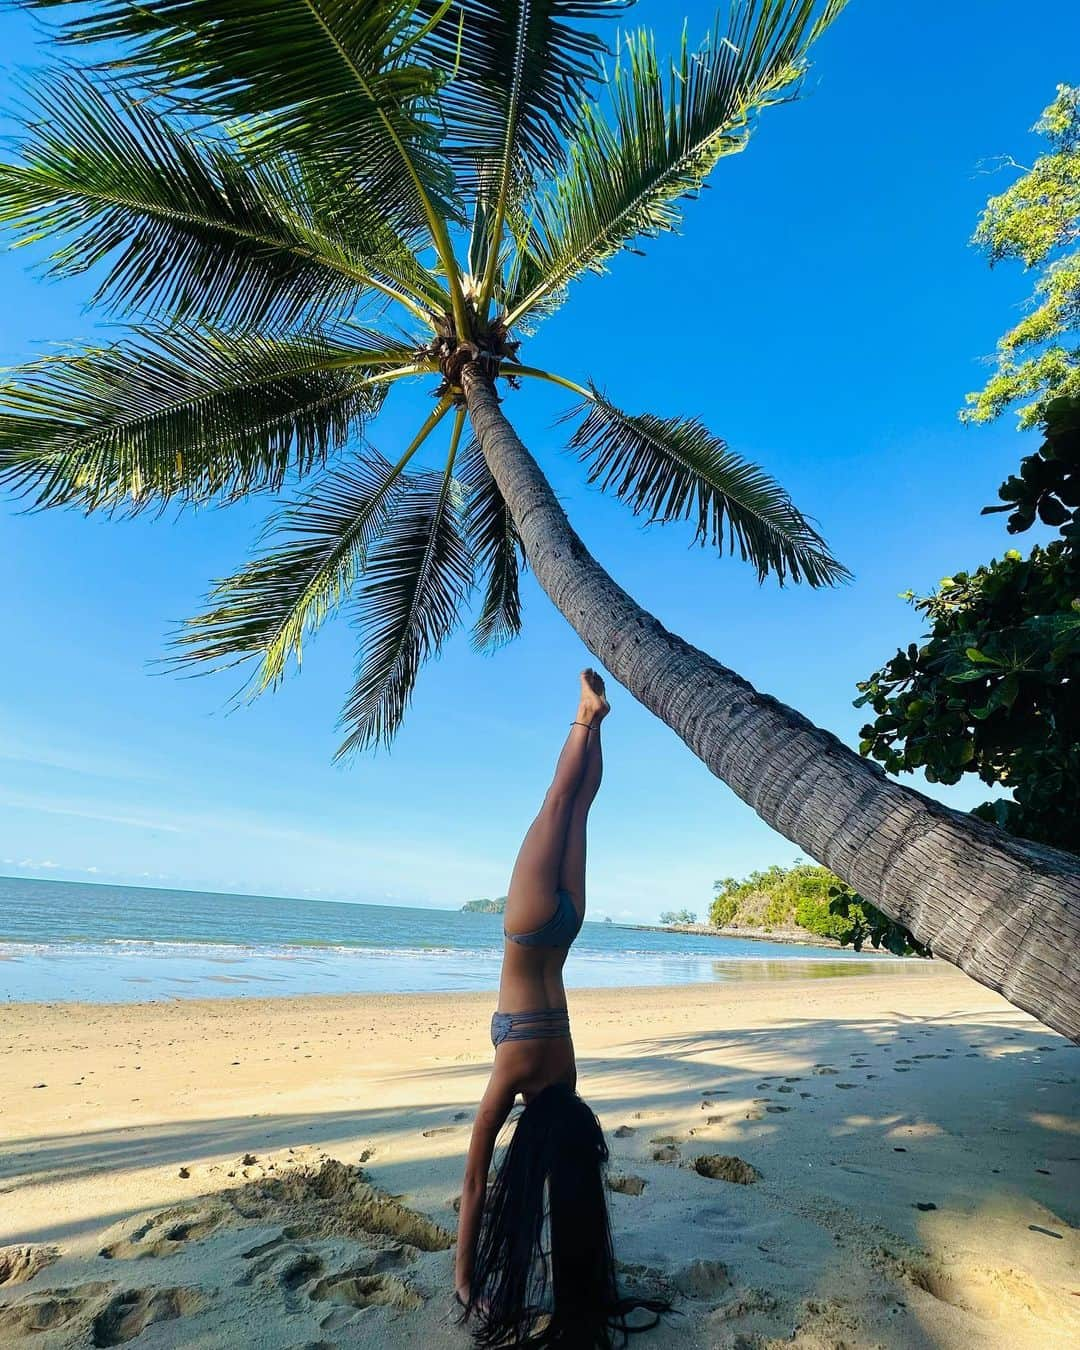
x,y
484,906
678,916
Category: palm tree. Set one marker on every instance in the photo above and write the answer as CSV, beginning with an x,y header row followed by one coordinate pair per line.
x,y
309,202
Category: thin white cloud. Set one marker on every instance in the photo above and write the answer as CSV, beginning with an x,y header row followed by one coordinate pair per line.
x,y
84,812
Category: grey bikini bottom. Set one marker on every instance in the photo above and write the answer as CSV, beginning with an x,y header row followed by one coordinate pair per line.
x,y
529,1026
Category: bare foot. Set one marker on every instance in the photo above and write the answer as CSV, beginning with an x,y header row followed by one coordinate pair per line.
x,y
594,706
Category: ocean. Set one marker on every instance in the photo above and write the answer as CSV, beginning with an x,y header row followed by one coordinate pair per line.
x,y
63,941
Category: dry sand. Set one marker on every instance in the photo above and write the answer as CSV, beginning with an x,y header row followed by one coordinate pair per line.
x,y
164,1172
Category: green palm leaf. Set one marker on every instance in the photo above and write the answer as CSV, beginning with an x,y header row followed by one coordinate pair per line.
x,y
332,79
675,469
185,224
415,585
496,549
522,68
669,129
186,414
270,606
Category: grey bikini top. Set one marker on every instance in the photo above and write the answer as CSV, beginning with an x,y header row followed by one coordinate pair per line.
x,y
559,931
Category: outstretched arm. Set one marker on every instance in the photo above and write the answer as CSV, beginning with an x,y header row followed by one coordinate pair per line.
x,y
491,1114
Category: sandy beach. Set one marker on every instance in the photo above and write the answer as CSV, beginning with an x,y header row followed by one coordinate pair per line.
x,y
282,1173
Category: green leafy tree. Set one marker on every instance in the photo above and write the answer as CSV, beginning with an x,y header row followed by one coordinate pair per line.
x,y
992,690
313,205
812,898
670,916
1037,222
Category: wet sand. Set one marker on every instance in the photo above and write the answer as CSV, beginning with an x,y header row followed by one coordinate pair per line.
x,y
282,1172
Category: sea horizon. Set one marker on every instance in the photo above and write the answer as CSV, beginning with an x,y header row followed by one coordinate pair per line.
x,y
97,942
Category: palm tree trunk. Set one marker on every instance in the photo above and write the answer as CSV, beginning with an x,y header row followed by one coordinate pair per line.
x,y
1004,910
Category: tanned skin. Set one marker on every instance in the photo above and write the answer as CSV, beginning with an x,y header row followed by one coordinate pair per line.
x,y
551,858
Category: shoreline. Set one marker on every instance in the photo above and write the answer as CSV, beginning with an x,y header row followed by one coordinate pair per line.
x,y
794,937
915,1139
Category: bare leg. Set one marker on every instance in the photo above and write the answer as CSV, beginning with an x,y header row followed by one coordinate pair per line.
x,y
538,870
572,869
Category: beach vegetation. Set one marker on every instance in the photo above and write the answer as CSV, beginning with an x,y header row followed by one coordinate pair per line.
x,y
304,211
809,897
673,916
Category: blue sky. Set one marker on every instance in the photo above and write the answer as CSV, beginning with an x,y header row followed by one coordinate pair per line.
x,y
822,310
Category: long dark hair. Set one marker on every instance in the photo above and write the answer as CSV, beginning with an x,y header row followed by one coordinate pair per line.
x,y
552,1176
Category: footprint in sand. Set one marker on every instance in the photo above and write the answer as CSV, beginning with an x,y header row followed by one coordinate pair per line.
x,y
983,1290
845,1085
282,1265
702,1279
358,1288
50,1309
20,1264
784,1088
669,1153
825,1069
628,1185
726,1167
165,1233
624,1132
128,1314
776,1110
438,1129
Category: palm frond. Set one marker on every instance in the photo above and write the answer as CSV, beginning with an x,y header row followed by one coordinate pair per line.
x,y
496,549
184,224
669,128
676,469
521,69
331,79
268,608
186,414
415,585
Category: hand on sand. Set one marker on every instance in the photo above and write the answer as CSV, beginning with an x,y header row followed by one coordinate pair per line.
x,y
594,706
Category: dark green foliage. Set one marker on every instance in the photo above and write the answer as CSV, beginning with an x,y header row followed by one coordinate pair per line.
x,y
813,898
993,688
1048,486
865,922
670,916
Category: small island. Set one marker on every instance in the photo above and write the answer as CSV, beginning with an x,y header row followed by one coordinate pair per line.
x,y
484,906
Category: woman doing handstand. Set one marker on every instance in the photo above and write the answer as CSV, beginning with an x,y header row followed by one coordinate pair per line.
x,y
550,1185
